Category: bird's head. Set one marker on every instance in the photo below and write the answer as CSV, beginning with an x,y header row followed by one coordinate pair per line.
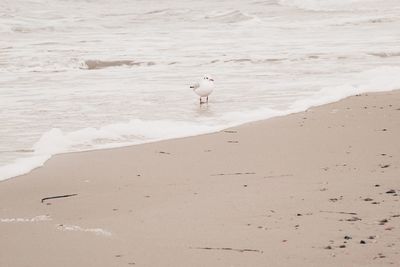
x,y
208,78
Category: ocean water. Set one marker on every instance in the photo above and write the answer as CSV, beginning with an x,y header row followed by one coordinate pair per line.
x,y
78,75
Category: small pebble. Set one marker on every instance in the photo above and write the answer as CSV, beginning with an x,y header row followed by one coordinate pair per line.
x,y
342,246
347,237
383,221
353,219
362,242
391,191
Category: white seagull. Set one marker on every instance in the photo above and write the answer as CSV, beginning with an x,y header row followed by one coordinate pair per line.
x,y
204,88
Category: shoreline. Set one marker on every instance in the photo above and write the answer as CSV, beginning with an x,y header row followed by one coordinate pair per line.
x,y
286,191
40,160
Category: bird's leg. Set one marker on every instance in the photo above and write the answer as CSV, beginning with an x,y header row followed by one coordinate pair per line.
x,y
207,99
201,102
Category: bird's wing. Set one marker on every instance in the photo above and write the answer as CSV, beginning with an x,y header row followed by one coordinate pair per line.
x,y
195,86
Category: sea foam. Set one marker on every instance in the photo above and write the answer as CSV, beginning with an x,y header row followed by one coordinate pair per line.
x,y
376,80
55,141
76,228
40,218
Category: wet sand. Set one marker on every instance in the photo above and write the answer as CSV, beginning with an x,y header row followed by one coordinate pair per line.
x,y
317,188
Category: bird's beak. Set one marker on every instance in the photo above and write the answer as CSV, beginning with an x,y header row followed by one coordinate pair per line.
x,y
212,80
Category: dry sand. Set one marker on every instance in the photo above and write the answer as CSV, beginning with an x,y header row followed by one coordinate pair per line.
x,y
302,190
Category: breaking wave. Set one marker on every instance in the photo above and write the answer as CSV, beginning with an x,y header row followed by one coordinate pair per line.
x,y
230,17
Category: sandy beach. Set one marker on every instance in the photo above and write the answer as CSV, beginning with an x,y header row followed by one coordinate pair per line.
x,y
317,188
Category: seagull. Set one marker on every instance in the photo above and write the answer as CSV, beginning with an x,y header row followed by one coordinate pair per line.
x,y
203,88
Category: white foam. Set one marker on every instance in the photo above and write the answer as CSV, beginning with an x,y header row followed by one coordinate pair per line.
x,y
137,131
96,231
376,80
22,166
55,141
39,218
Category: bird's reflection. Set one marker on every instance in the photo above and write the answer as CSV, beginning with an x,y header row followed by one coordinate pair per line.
x,y
204,110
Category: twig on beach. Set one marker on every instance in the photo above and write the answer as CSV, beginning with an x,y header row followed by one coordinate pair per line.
x,y
231,249
62,196
339,212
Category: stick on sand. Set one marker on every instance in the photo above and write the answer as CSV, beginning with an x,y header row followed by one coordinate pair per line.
x,y
62,196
